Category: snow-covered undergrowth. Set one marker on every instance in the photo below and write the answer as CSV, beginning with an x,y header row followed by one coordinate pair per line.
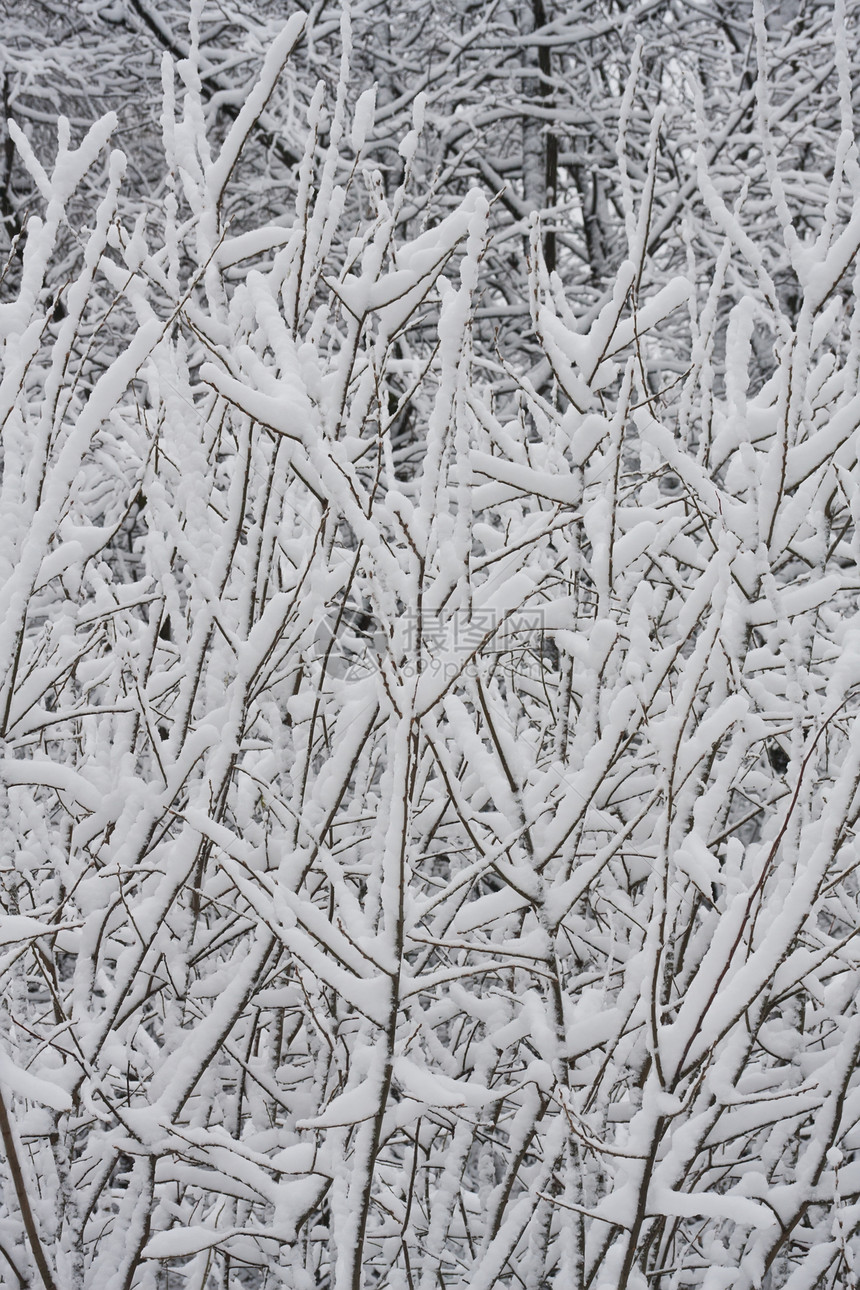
x,y
429,786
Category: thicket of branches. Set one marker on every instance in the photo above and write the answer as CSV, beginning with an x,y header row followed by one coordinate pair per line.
x,y
429,661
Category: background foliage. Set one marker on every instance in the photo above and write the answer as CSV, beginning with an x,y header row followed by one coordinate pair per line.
x,y
429,660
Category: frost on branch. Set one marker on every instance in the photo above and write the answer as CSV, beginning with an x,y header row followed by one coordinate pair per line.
x,y
429,781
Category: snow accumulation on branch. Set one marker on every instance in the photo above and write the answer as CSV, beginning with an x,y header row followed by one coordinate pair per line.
x,y
429,651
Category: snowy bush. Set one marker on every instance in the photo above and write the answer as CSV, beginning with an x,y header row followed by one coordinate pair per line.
x,y
429,769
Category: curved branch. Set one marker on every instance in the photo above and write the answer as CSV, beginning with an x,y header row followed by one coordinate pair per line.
x,y
211,85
